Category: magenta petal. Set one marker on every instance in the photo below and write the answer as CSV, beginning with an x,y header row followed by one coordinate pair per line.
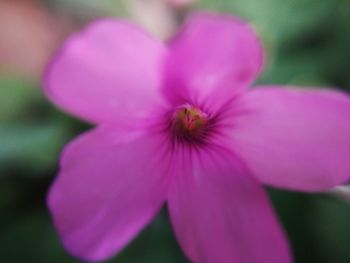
x,y
110,72
110,185
213,54
295,138
221,214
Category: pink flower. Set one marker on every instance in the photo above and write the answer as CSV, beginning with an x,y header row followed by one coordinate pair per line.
x,y
177,124
29,33
181,3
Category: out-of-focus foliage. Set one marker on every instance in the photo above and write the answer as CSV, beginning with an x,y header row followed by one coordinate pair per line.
x,y
306,40
282,20
307,43
17,96
28,133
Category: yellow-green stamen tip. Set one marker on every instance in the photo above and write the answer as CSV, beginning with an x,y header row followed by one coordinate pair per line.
x,y
190,119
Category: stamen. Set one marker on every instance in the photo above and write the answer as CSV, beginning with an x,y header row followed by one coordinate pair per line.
x,y
189,123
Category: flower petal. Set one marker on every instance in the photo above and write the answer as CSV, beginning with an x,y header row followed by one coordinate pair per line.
x,y
110,72
107,191
213,54
221,214
295,138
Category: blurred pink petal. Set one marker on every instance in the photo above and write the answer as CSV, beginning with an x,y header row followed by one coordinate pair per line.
x,y
201,66
111,72
106,192
221,214
295,138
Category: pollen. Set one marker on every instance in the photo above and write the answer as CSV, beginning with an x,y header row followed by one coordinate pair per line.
x,y
189,122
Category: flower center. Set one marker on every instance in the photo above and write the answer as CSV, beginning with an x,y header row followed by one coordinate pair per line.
x,y
189,123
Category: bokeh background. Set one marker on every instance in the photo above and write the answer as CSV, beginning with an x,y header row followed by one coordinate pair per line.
x,y
307,43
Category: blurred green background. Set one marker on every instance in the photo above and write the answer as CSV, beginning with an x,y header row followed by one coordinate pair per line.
x,y
307,43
